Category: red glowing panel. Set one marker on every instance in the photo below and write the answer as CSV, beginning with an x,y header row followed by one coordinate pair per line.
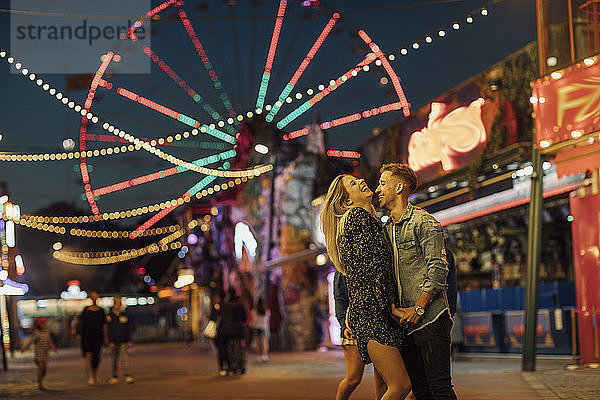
x,y
567,103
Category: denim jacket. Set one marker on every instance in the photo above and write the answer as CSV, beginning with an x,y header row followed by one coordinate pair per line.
x,y
420,262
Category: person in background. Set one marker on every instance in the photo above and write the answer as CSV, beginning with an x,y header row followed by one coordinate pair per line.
x,y
220,340
319,319
91,329
233,328
119,340
42,342
259,325
354,366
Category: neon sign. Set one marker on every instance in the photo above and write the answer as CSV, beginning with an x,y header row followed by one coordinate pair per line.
x,y
447,138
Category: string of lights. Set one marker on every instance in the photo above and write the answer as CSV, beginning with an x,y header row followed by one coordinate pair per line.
x,y
112,257
443,32
258,170
264,83
169,140
165,211
93,233
302,67
206,62
383,61
140,143
388,68
115,215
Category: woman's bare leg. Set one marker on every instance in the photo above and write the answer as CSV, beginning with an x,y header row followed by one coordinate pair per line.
x,y
379,384
354,373
265,347
390,366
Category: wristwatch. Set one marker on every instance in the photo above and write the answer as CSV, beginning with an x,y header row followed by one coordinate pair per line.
x,y
419,310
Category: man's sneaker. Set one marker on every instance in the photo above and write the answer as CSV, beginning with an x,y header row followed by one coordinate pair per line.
x,y
113,380
91,381
223,372
129,379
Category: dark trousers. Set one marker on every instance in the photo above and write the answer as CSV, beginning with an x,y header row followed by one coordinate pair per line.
x,y
222,343
426,354
237,355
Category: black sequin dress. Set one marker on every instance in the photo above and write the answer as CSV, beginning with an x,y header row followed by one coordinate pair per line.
x,y
367,256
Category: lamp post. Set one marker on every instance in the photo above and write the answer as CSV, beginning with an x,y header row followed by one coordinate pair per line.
x,y
534,233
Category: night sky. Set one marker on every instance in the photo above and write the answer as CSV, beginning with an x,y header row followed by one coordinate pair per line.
x,y
236,39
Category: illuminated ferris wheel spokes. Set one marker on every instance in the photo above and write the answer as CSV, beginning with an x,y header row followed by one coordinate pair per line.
x,y
85,177
189,121
182,166
206,62
302,67
193,94
376,54
140,180
264,83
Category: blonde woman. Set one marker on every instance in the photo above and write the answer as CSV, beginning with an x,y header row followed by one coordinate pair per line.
x,y
359,250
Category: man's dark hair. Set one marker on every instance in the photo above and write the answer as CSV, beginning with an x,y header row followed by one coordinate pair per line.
x,y
405,173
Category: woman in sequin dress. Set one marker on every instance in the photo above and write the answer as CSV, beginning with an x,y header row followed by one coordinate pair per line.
x,y
357,246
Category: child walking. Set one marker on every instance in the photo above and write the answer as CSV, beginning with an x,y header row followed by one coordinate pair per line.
x,y
42,341
119,340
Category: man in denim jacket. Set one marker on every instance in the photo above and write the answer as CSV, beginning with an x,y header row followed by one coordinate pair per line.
x,y
421,269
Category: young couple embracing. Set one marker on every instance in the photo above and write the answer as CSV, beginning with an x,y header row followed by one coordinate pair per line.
x,y
397,313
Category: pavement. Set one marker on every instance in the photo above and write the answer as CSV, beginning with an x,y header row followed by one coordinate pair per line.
x,y
178,371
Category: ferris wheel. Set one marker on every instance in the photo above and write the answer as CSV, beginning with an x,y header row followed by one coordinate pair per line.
x,y
220,121
188,113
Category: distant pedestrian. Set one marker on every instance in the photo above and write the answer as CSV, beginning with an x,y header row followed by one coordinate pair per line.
x,y
233,331
92,330
259,329
220,340
119,340
42,341
319,319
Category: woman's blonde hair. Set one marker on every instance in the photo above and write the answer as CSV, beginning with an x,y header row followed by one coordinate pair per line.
x,y
335,208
